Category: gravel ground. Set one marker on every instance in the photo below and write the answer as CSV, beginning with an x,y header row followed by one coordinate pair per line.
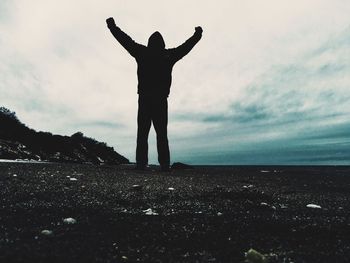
x,y
86,213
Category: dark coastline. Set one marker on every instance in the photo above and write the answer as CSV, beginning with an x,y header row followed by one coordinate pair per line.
x,y
212,214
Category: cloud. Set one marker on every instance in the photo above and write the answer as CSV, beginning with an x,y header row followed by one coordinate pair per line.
x,y
99,123
279,113
264,71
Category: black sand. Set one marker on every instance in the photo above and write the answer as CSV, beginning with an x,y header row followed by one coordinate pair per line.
x,y
212,215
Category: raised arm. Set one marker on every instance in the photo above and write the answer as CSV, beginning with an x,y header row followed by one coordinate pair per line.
x,y
182,50
126,41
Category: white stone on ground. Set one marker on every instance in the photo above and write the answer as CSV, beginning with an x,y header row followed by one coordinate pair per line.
x,y
69,221
46,232
313,206
150,212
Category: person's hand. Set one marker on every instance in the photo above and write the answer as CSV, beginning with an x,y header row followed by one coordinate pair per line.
x,y
110,22
199,30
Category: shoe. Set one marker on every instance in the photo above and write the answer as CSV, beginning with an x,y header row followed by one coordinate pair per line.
x,y
165,168
140,167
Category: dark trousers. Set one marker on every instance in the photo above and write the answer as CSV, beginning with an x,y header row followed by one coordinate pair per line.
x,y
152,110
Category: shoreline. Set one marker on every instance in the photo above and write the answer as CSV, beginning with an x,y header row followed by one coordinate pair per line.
x,y
194,165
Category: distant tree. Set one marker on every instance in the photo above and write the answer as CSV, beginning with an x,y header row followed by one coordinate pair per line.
x,y
5,112
78,135
11,127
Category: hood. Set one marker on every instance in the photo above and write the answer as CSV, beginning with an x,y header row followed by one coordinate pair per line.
x,y
156,41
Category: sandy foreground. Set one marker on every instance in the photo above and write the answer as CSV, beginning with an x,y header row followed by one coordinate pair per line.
x,y
86,213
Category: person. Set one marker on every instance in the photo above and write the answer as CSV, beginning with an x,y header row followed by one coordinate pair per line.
x,y
154,67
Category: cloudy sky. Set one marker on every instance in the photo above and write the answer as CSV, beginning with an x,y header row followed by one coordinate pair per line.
x,y
269,83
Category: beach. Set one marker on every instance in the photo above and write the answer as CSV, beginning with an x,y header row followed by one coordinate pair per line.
x,y
57,212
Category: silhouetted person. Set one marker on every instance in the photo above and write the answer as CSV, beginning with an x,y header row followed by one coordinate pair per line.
x,y
155,64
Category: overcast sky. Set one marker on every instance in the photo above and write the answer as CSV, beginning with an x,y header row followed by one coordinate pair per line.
x,y
269,83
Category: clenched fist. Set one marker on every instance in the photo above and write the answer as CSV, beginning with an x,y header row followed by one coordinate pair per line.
x,y
110,22
199,30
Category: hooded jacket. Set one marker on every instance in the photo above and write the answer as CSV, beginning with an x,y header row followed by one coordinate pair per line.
x,y
154,61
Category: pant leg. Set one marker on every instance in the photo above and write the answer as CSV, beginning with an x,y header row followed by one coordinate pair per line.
x,y
143,127
160,123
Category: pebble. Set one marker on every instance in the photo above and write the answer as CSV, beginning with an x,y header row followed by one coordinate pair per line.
x,y
253,256
313,206
136,187
46,232
69,221
150,212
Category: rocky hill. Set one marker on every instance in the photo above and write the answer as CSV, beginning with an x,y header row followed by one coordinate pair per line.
x,y
17,141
